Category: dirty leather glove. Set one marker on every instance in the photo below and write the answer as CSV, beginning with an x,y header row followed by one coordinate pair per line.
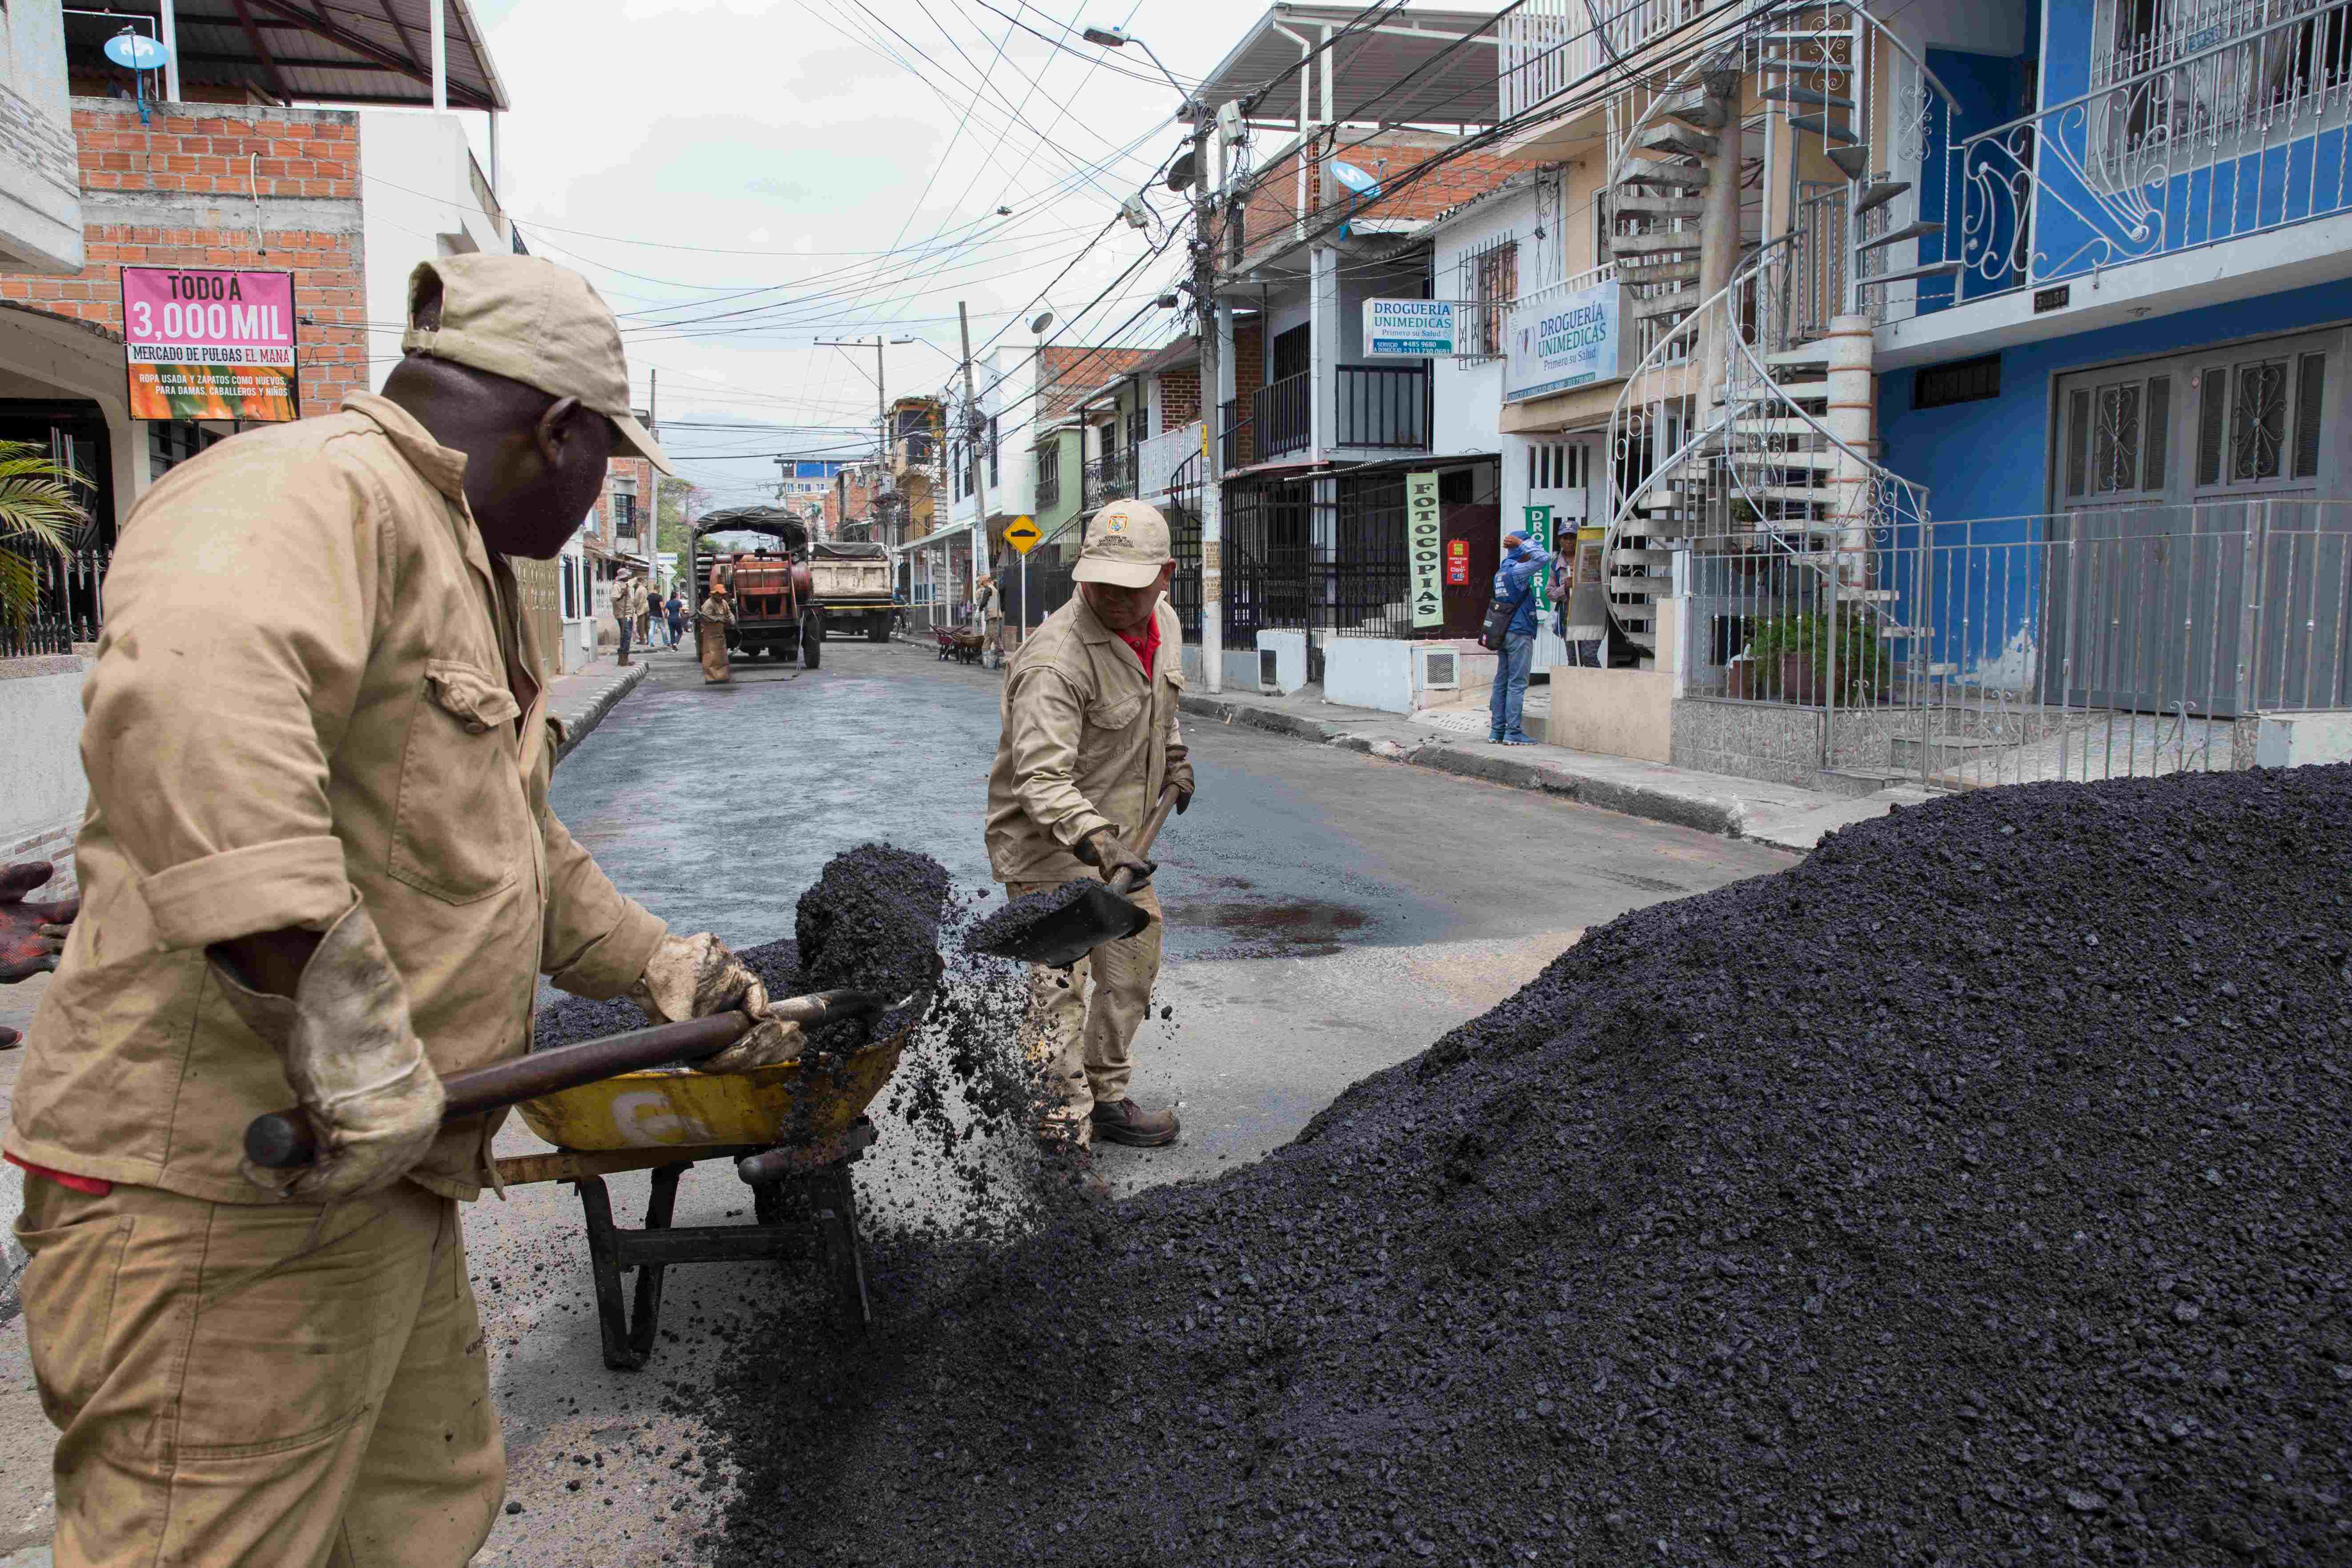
x,y
357,1068
32,936
1180,779
1107,852
694,977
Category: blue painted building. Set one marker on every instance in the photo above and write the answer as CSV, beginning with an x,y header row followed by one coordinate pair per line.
x,y
2118,369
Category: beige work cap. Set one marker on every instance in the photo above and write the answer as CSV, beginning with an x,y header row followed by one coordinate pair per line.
x,y
532,321
1126,545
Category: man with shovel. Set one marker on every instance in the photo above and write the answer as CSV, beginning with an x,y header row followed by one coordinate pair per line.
x,y
318,870
1090,740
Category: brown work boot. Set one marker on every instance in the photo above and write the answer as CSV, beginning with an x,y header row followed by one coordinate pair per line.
x,y
1129,1123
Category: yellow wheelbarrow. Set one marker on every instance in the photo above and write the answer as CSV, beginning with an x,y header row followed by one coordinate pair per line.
x,y
792,1129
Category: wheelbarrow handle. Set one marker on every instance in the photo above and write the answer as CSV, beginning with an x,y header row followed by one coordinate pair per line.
x,y
1122,882
282,1140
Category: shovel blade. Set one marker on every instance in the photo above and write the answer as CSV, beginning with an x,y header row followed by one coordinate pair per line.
x,y
1067,935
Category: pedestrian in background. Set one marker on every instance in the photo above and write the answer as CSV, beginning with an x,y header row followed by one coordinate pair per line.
x,y
677,609
1515,587
1090,741
628,604
710,626
991,621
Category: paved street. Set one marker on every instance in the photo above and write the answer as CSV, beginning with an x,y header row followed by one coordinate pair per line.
x,y
1330,914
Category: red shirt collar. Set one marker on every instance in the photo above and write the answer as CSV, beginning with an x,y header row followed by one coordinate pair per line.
x,y
1146,645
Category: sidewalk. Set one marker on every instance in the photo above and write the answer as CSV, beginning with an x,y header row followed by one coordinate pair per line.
x,y
1781,815
581,699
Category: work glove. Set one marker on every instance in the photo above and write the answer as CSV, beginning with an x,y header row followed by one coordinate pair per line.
x,y
357,1068
32,936
694,977
1180,779
1105,850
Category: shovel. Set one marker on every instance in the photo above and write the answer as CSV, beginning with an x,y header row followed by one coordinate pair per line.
x,y
1099,913
283,1139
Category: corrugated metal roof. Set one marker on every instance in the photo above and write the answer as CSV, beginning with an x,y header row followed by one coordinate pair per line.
x,y
1414,68
325,51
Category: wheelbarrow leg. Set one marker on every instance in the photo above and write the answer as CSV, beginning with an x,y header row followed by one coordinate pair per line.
x,y
604,1266
833,1204
659,1206
628,1335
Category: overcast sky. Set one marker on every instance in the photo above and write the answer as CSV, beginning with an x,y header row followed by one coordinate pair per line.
x,y
812,169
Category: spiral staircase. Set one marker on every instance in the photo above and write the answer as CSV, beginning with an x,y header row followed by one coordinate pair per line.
x,y
1745,434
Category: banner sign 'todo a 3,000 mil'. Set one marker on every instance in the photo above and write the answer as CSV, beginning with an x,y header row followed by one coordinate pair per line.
x,y
204,343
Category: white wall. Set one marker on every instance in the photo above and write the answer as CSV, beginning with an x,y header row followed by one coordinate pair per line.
x,y
40,183
417,201
1469,397
42,791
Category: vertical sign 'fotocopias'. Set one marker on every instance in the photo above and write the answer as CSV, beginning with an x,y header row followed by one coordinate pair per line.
x,y
208,344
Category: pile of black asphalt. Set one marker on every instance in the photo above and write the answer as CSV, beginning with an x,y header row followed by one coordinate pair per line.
x,y
1971,1193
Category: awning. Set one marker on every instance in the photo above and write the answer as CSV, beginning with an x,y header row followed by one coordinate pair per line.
x,y
314,51
1413,67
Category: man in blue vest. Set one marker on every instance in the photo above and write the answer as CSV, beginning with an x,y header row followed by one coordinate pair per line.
x,y
1515,584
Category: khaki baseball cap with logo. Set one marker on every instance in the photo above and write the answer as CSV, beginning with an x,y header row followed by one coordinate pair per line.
x,y
532,321
1126,545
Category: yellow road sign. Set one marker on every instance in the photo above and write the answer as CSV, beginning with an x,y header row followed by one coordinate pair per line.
x,y
1022,534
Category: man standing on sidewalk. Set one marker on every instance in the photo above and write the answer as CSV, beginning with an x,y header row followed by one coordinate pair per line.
x,y
1090,741
628,604
991,621
1515,584
319,871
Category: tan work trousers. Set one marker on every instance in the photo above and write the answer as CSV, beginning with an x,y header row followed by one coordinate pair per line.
x,y
711,642
1080,1029
285,1386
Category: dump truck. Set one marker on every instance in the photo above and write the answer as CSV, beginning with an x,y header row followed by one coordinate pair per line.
x,y
851,583
776,610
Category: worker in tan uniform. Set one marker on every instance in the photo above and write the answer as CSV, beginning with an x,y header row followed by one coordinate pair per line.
x,y
629,602
710,624
319,870
1090,740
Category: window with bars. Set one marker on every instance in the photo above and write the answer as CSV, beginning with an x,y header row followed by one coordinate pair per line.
x,y
1489,281
2117,434
2258,422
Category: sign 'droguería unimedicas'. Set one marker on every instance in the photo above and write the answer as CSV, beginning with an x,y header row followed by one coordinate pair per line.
x,y
204,343
1564,341
1410,328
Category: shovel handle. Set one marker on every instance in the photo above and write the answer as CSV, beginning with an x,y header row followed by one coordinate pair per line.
x,y
1122,882
282,1140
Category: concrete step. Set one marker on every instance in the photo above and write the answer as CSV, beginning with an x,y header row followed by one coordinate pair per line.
x,y
1896,236
1932,269
1694,107
1853,161
1632,269
1647,172
1660,242
1807,95
1664,305
1820,125
1877,193
1821,460
1676,137
1937,752
1629,204
1816,354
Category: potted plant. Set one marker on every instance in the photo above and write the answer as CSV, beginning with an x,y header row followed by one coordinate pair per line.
x,y
1790,654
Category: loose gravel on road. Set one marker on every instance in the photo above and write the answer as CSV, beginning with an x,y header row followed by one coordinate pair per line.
x,y
1970,1193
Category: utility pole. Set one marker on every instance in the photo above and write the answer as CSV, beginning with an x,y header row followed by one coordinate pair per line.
x,y
978,474
652,525
1207,177
881,431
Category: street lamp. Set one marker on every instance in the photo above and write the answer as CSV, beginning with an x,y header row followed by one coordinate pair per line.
x,y
1114,38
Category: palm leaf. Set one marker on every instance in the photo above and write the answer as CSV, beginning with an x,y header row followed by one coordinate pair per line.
x,y
39,511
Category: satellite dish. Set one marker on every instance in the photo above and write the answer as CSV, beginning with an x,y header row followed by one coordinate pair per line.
x,y
1043,319
1179,173
135,52
1355,178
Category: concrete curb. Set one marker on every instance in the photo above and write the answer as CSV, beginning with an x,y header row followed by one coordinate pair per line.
x,y
583,714
1708,812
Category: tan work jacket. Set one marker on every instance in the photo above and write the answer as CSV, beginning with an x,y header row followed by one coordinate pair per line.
x,y
718,609
314,684
629,600
1088,738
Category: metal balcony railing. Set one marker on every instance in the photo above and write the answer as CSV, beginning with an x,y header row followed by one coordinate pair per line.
x,y
1049,478
1158,459
1236,441
1384,406
1111,477
1548,46
1280,411
2225,126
